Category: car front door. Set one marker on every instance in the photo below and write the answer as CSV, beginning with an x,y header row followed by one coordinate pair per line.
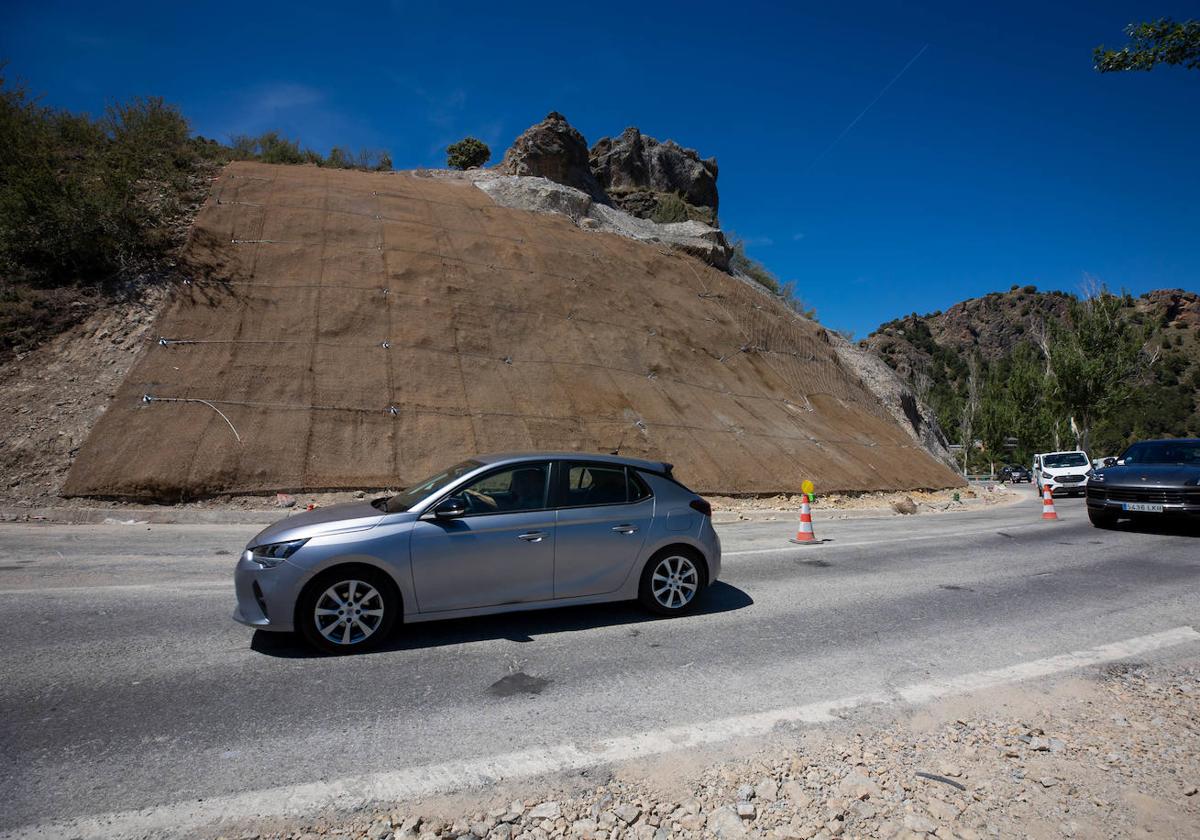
x,y
604,513
501,551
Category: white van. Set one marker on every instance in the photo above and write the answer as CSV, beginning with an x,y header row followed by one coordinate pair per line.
x,y
1062,472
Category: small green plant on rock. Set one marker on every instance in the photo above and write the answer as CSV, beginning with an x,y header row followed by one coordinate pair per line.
x,y
468,153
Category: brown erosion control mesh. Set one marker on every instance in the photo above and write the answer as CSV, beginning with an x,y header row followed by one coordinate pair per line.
x,y
347,329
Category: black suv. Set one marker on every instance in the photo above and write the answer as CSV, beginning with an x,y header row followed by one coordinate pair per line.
x,y
1151,479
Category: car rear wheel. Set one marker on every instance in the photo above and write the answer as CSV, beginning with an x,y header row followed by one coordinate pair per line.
x,y
672,581
348,609
1101,518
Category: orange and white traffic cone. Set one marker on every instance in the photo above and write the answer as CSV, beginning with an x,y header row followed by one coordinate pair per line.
x,y
1048,503
805,534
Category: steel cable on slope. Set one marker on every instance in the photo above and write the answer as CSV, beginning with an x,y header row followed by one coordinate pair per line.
x,y
760,342
395,411
756,341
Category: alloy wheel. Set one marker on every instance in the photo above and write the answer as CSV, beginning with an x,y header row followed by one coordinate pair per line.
x,y
674,582
348,612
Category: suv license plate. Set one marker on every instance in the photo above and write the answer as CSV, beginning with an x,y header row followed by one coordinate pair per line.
x,y
1142,507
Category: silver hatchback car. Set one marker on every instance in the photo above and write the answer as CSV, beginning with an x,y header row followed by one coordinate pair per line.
x,y
493,534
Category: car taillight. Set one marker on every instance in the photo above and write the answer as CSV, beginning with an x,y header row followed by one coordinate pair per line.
x,y
702,506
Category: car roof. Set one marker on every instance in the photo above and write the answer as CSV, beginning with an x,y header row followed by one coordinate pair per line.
x,y
637,463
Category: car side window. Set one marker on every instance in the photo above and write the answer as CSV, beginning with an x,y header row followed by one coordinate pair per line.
x,y
590,484
523,487
638,488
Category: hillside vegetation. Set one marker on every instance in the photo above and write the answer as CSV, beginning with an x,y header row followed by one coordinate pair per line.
x,y
93,208
1053,370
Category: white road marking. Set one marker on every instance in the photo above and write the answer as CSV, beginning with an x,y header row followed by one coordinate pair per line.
x,y
417,782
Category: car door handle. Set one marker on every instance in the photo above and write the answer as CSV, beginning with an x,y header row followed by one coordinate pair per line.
x,y
532,536
625,529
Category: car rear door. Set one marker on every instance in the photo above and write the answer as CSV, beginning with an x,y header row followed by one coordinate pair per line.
x,y
500,552
604,513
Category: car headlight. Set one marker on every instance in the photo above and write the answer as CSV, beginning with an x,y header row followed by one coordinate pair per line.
x,y
271,555
1047,475
1095,477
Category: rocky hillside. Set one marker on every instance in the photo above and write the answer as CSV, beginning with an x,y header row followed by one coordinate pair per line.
x,y
347,329
931,352
662,182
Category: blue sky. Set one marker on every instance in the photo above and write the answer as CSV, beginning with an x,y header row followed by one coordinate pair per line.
x,y
998,157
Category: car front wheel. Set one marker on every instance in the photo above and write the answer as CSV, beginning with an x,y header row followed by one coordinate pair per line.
x,y
347,610
1101,518
672,582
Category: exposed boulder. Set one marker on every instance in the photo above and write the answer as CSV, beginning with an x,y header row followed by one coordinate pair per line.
x,y
660,181
544,196
552,149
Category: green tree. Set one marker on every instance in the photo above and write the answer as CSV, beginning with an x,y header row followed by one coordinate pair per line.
x,y
1029,395
338,158
997,416
468,153
1095,358
275,148
1161,41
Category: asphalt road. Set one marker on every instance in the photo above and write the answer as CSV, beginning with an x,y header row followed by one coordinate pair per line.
x,y
126,685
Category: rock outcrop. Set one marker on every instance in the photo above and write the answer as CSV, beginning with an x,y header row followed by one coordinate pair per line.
x,y
632,185
896,395
545,196
660,181
553,149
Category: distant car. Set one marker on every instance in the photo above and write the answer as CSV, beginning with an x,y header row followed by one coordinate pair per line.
x,y
1016,474
492,534
1152,479
1063,472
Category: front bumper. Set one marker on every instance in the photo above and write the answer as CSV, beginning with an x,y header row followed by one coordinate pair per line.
x,y
1179,501
1062,488
266,598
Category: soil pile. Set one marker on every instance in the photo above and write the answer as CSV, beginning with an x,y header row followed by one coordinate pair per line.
x,y
347,329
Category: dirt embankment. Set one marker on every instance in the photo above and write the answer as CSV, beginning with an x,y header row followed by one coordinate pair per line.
x,y
53,395
346,330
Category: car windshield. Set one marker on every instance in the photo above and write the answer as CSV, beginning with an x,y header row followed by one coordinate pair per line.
x,y
1164,452
1065,459
405,500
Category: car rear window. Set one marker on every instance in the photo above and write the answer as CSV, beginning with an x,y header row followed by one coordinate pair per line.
x,y
589,484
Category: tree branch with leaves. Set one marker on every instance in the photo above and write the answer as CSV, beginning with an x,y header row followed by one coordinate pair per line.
x,y
1161,41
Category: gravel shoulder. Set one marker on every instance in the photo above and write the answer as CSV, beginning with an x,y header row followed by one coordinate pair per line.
x,y
1114,752
726,509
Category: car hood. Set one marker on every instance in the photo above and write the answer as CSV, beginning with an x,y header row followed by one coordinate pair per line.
x,y
1151,475
335,519
1079,470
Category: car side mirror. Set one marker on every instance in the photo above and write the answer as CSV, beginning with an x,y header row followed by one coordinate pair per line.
x,y
450,508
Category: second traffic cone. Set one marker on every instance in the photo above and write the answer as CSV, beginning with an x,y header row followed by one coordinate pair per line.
x,y
805,533
1048,503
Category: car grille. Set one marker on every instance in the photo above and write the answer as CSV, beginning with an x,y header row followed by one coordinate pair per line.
x,y
1069,479
1149,494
